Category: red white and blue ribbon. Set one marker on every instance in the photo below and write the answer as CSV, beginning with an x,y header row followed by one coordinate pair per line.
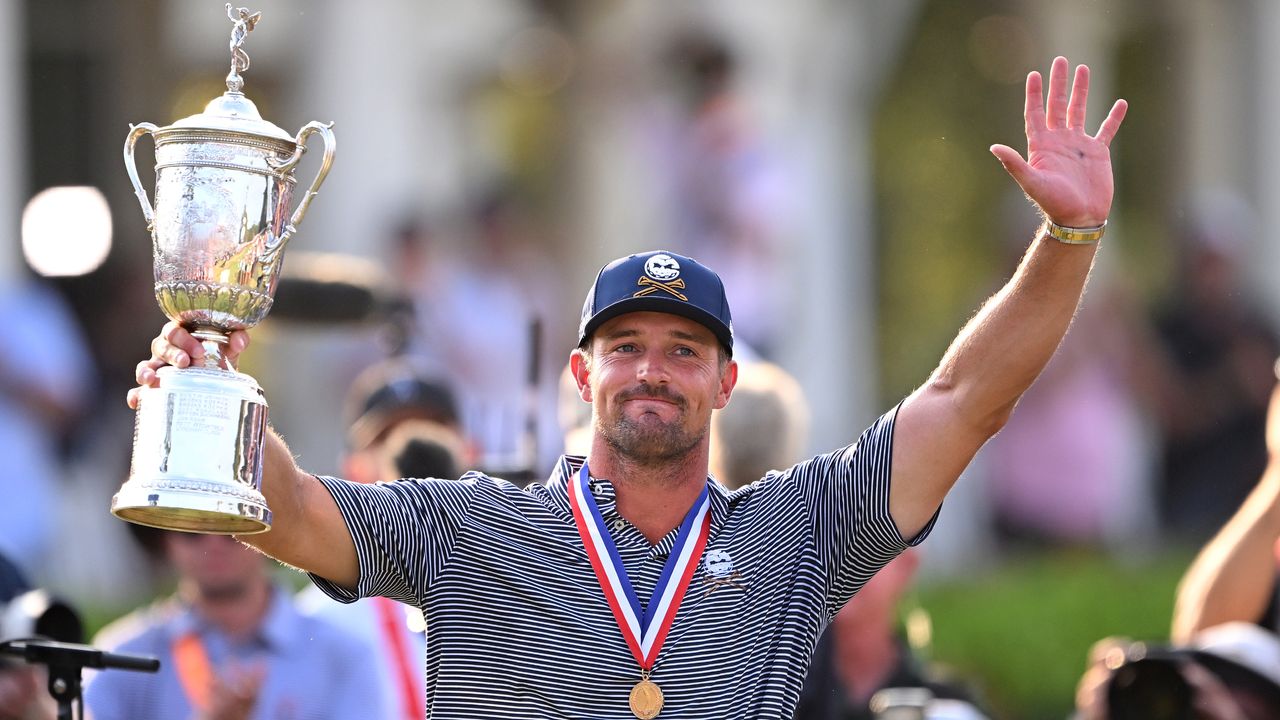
x,y
644,628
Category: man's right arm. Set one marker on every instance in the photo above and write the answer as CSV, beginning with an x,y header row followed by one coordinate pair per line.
x,y
307,530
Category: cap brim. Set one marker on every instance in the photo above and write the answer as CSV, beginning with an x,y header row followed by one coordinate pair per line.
x,y
662,305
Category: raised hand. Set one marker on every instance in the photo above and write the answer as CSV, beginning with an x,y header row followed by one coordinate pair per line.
x,y
234,692
1067,172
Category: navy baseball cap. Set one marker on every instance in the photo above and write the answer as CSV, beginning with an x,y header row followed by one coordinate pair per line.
x,y
658,281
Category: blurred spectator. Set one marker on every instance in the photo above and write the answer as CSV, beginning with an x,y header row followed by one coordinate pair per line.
x,y
1218,352
764,427
1225,654
573,414
477,309
401,424
726,188
232,646
862,653
422,449
1233,579
1075,462
45,375
383,396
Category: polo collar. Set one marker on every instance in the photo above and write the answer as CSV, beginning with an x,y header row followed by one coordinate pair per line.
x,y
557,488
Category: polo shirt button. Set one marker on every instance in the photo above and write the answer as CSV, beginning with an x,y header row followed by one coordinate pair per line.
x,y
619,524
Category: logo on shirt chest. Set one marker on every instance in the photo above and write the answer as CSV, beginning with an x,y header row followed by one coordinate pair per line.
x,y
719,572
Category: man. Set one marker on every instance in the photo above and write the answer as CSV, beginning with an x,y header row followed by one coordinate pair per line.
x,y
232,647
535,597
399,424
382,398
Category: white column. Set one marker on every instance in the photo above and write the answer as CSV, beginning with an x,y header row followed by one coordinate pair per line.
x,y
392,75
1265,86
12,129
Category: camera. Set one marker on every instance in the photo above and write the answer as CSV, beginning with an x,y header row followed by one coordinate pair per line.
x,y
1149,688
1165,683
36,613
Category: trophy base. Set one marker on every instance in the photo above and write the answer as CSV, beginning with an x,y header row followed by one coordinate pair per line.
x,y
199,509
197,455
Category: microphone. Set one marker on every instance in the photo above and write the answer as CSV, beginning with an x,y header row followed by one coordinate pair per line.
x,y
60,654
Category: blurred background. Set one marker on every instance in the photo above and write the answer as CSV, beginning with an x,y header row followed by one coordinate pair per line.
x,y
828,157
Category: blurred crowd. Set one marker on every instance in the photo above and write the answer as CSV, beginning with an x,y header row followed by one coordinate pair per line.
x,y
1150,425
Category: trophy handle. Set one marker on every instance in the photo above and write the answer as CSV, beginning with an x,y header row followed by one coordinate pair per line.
x,y
325,162
135,132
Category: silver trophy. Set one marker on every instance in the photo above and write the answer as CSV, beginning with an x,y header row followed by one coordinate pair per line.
x,y
224,182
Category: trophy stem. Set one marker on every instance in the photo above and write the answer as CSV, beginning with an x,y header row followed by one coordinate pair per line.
x,y
213,341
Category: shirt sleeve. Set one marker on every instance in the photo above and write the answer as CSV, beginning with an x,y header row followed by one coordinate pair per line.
x,y
404,533
846,495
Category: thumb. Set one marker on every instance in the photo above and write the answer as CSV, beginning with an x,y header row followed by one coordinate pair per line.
x,y
1012,162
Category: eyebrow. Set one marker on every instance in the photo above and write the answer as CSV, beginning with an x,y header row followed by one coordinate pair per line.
x,y
625,332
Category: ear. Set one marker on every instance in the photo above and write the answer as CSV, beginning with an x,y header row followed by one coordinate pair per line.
x,y
581,374
727,381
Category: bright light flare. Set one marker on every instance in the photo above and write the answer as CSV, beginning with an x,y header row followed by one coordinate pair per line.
x,y
66,231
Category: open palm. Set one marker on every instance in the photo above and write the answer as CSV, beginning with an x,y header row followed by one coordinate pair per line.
x,y
1067,172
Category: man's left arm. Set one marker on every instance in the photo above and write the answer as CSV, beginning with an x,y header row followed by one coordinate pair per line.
x,y
999,353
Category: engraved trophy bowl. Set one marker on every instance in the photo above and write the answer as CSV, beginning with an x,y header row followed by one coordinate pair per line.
x,y
223,191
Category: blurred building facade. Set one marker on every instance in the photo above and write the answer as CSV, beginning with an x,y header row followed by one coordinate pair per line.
x,y
436,101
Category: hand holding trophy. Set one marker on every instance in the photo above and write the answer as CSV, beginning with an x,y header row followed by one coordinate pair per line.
x,y
224,181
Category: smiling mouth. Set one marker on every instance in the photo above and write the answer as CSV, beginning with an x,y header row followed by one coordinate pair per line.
x,y
661,398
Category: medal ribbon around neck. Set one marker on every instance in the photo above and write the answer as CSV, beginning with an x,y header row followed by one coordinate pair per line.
x,y
644,630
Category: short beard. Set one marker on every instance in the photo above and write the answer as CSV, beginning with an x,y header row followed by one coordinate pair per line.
x,y
649,446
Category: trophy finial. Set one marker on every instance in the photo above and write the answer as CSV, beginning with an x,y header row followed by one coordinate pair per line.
x,y
243,24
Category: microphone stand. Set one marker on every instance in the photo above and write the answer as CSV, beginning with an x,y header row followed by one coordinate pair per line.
x,y
66,660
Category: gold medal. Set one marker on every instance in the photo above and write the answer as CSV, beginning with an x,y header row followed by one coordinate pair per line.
x,y
646,699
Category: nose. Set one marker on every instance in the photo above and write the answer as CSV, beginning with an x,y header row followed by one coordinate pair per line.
x,y
652,368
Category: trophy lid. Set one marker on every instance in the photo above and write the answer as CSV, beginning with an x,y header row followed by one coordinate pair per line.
x,y
232,111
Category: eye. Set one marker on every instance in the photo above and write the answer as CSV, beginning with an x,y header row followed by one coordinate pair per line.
x,y
625,348
685,351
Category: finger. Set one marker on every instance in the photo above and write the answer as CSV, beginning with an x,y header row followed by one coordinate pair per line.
x,y
1111,124
1056,108
1014,165
237,341
163,349
1079,97
1034,109
182,339
145,373
132,397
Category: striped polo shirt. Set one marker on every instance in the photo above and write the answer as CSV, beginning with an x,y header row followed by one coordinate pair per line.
x,y
519,627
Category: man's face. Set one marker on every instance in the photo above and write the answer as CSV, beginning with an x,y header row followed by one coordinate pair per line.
x,y
653,379
217,565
